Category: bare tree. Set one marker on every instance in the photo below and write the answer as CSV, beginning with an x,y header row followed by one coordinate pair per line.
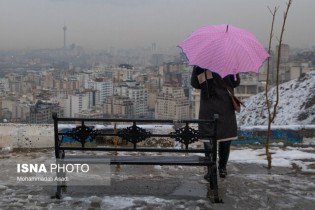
x,y
272,113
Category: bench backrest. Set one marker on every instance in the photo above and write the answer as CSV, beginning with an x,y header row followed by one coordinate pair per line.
x,y
90,134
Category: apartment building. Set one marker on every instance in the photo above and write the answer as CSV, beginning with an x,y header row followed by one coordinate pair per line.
x,y
123,73
152,85
285,53
171,103
68,84
89,114
139,97
4,86
293,70
137,94
249,86
79,101
195,103
21,112
41,112
120,106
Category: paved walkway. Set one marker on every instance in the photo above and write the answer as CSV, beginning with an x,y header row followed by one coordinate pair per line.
x,y
248,186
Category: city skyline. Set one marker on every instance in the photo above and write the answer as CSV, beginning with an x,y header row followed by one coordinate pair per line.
x,y
98,24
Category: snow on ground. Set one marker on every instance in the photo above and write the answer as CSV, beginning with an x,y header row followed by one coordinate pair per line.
x,y
281,156
296,104
290,185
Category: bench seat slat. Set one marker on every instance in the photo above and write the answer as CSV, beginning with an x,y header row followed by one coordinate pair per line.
x,y
191,160
130,149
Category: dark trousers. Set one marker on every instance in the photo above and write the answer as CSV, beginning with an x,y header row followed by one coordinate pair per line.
x,y
223,151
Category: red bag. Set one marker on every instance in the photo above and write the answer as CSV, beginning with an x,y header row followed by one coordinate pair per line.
x,y
236,103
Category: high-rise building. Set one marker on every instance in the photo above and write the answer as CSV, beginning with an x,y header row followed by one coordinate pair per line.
x,y
103,87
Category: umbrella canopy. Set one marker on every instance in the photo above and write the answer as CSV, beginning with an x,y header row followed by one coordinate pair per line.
x,y
224,49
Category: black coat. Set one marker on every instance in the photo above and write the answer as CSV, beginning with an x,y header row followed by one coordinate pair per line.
x,y
215,99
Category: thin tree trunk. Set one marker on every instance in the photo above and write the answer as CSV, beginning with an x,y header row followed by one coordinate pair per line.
x,y
271,116
268,155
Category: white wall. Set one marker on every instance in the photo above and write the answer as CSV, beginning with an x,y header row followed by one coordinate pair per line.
x,y
26,136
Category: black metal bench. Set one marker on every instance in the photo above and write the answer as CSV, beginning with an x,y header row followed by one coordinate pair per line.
x,y
134,134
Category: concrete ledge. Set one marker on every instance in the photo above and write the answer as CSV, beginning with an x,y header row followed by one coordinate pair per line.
x,y
42,136
283,133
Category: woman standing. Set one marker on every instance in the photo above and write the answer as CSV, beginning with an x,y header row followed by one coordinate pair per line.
x,y
215,99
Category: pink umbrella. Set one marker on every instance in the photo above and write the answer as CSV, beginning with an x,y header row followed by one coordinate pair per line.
x,y
224,49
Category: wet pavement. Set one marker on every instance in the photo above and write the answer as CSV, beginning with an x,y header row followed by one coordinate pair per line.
x,y
248,186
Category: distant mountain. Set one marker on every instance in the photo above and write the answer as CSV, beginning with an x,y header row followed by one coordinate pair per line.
x,y
296,105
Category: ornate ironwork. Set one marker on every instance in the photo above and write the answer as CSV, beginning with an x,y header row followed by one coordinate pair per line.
x,y
82,134
185,135
134,134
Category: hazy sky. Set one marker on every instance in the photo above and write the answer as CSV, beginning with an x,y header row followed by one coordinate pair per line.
x,y
139,23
